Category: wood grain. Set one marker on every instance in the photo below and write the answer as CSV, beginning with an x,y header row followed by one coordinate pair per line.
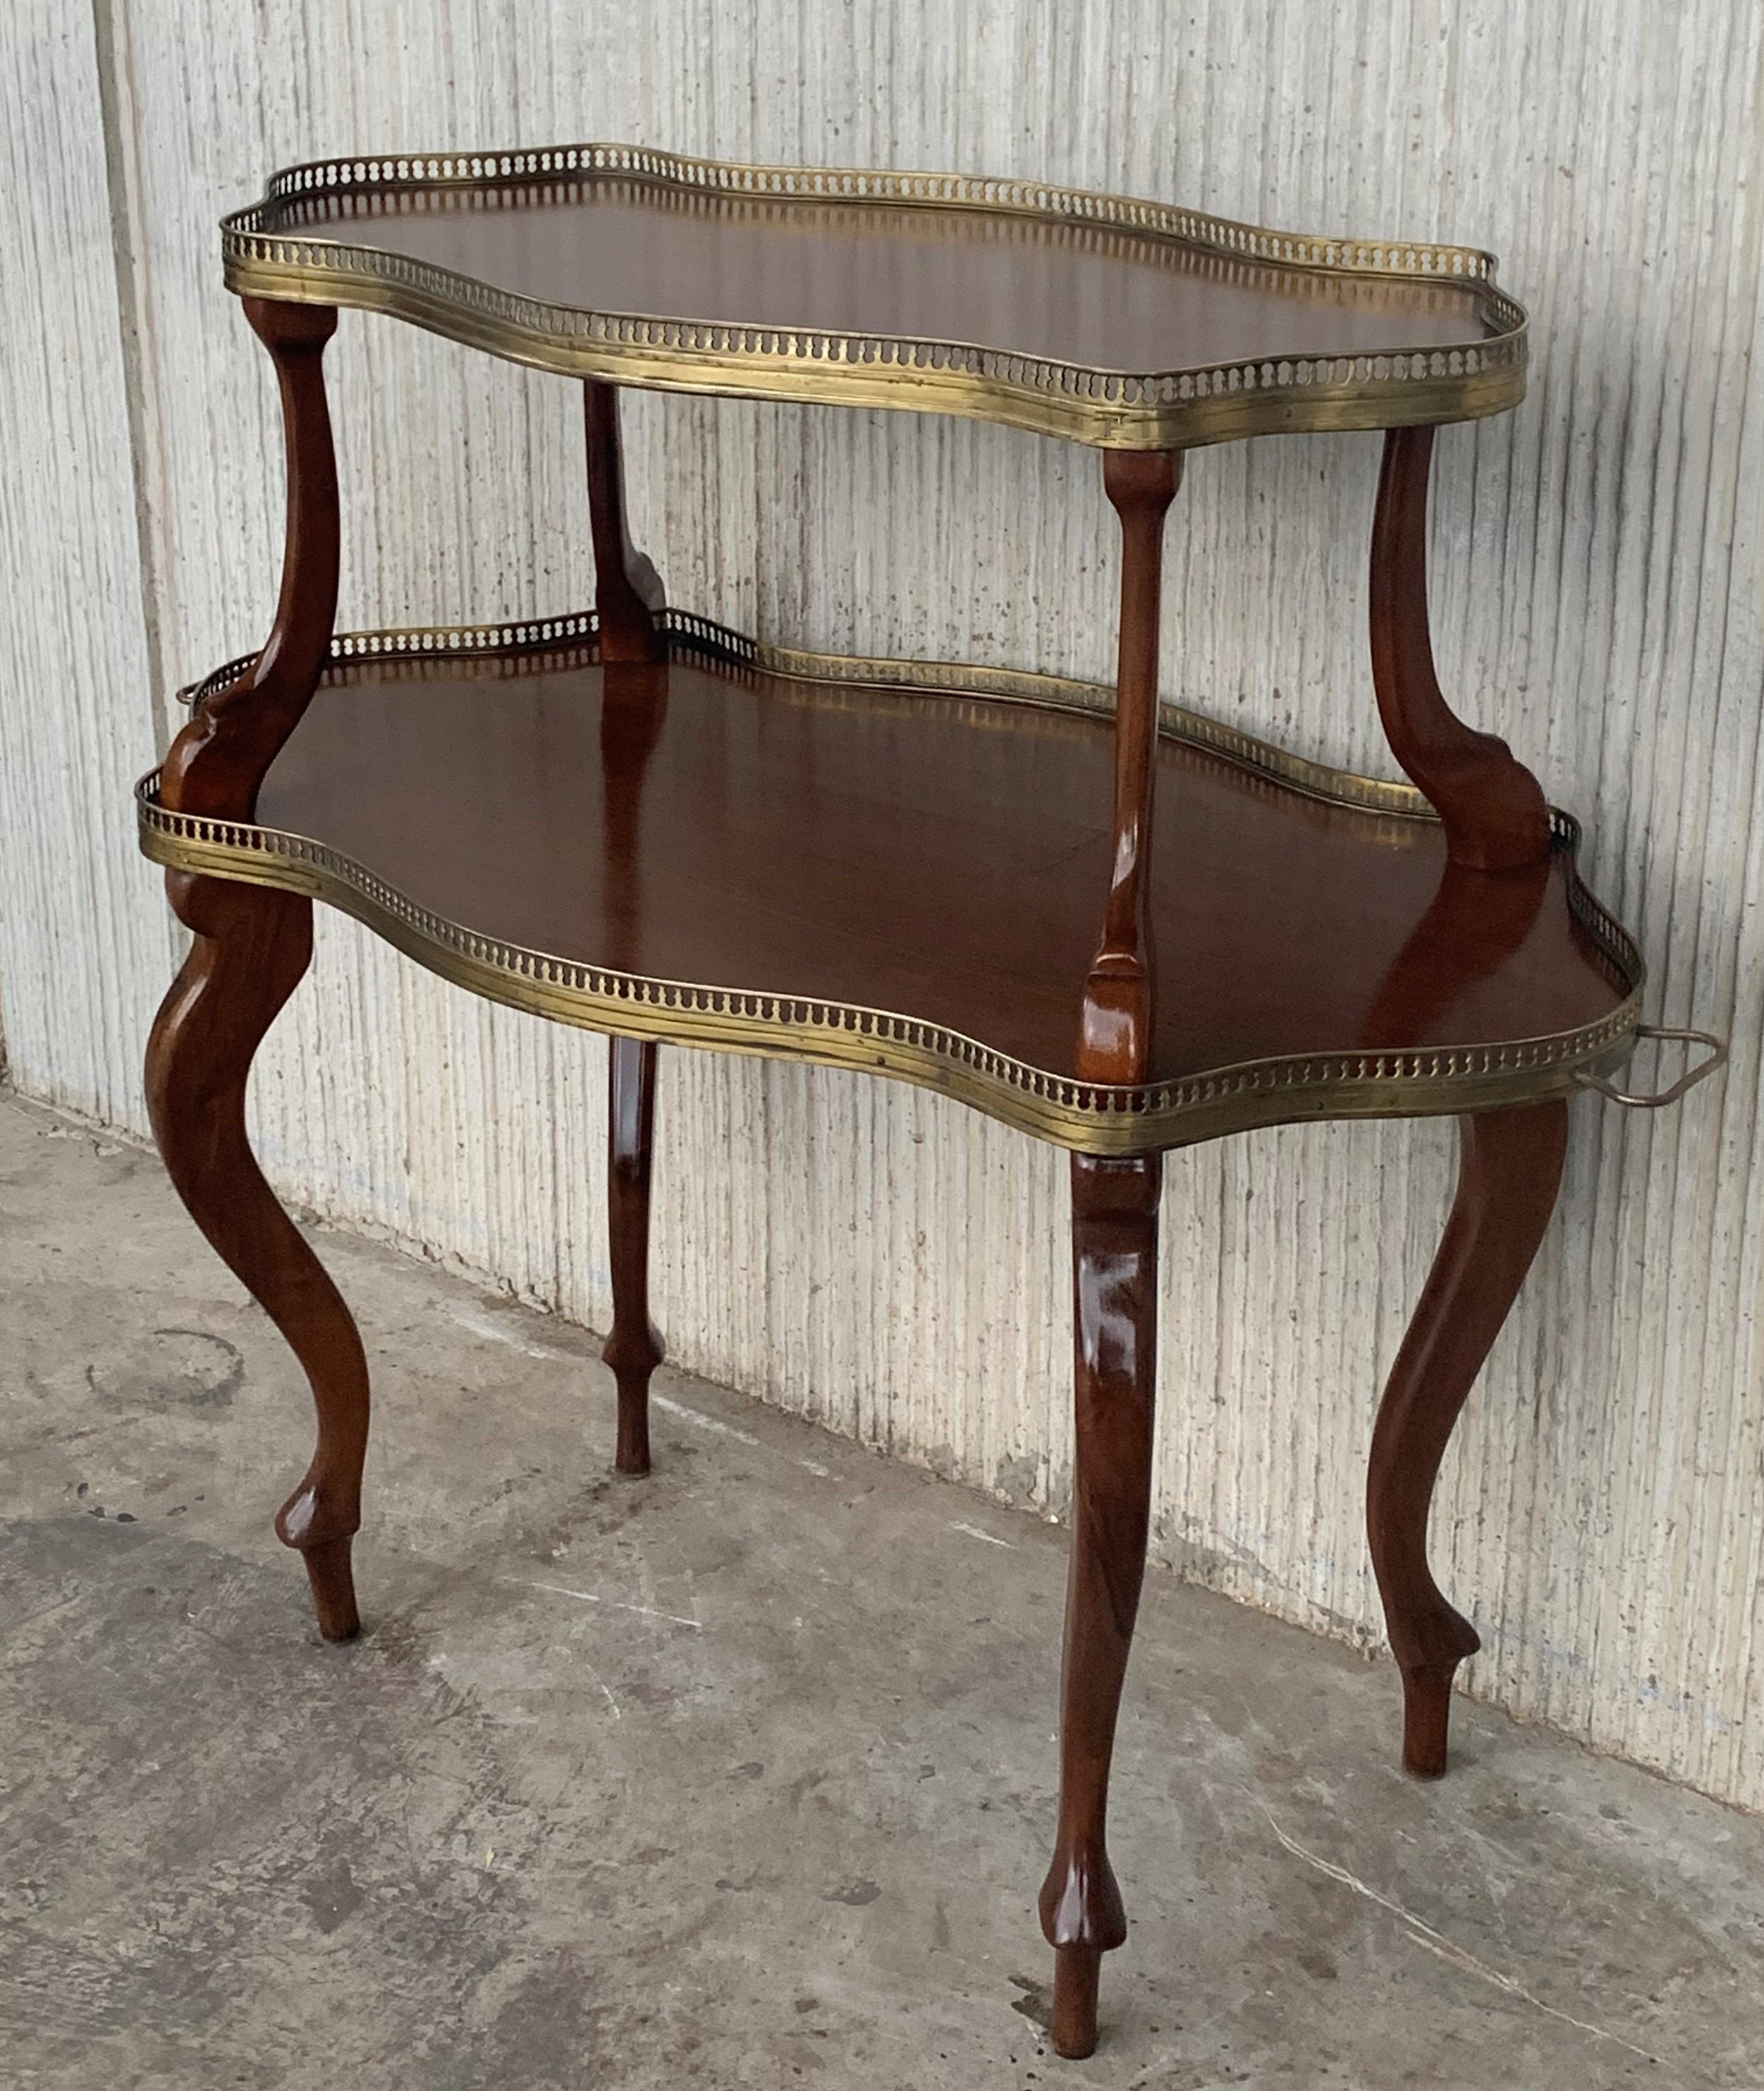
x,y
945,857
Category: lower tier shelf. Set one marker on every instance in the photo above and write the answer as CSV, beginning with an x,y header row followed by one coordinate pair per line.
x,y
901,867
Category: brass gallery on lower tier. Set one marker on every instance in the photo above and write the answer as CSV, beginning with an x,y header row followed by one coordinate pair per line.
x,y
914,782
1113,924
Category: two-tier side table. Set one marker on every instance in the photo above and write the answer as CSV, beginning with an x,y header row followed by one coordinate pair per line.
x,y
1115,924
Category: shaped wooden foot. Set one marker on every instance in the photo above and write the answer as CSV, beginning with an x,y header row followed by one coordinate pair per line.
x,y
633,1350
252,947
1077,1975
1510,1168
1114,1271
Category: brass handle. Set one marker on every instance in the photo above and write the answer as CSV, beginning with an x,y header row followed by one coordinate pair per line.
x,y
1718,1053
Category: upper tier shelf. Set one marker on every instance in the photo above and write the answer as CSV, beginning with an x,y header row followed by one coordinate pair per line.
x,y
1130,324
900,866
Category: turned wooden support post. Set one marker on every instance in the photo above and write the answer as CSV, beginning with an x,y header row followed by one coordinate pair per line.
x,y
250,945
628,600
1494,810
1115,1029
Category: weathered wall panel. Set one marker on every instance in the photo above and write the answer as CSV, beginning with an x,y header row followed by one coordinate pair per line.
x,y
861,1252
78,924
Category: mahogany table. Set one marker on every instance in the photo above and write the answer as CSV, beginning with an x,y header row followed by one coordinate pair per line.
x,y
1113,922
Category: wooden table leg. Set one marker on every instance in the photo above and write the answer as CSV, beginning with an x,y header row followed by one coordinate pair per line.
x,y
1117,1020
1114,1274
253,944
628,596
628,603
1491,806
1115,1286
633,1349
1510,1168
216,765
252,947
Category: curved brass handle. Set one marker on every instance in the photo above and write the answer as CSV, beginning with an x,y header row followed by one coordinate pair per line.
x,y
1718,1053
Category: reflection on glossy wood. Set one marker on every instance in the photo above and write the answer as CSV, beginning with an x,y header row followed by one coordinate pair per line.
x,y
633,1349
942,856
1115,1300
1473,926
1492,809
812,841
252,947
1509,1167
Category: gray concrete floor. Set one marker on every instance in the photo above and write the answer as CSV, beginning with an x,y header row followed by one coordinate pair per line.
x,y
743,1775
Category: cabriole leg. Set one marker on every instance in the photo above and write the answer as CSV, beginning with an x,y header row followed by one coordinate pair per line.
x,y
1509,1169
252,947
1114,1274
633,1350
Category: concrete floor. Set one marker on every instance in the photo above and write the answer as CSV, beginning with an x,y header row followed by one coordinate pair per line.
x,y
740,1775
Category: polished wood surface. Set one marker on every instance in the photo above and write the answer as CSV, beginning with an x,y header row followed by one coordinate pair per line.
x,y
1492,809
633,1349
628,598
1117,1023
1106,298
1509,1169
1115,1327
217,763
250,948
628,595
945,857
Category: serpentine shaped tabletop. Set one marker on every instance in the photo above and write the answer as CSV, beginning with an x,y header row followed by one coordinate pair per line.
x,y
1104,319
894,866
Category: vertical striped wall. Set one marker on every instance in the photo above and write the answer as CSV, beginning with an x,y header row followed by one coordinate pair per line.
x,y
858,1252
